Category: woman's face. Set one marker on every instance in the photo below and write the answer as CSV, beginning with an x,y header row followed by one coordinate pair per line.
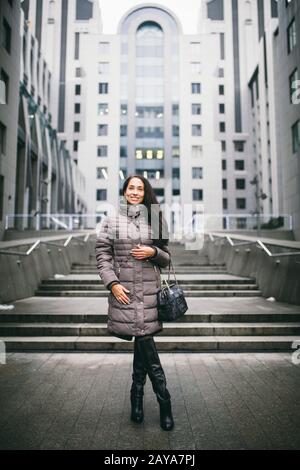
x,y
135,191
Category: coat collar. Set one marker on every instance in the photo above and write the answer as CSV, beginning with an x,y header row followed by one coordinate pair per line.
x,y
131,210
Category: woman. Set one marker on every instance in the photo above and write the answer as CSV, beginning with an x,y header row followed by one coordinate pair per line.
x,y
129,259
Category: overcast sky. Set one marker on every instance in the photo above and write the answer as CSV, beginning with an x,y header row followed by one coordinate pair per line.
x,y
186,10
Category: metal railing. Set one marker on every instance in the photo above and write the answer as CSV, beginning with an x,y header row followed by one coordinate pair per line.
x,y
52,221
35,245
259,244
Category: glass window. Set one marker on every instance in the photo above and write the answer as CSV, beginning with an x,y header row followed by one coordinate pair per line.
x,y
196,108
222,126
6,39
292,36
103,68
77,108
123,151
239,146
101,173
223,143
102,151
241,223
77,89
103,88
222,108
196,88
224,183
156,112
196,130
241,203
196,68
175,152
239,165
240,184
5,80
102,129
175,131
224,165
123,131
197,151
102,109
76,126
221,90
124,109
197,173
75,145
175,173
225,203
2,139
103,48
150,132
101,194
175,109
294,77
197,194
296,136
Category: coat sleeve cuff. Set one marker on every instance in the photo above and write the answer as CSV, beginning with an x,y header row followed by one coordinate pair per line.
x,y
109,286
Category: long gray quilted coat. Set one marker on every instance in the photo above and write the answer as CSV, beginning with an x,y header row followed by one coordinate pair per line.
x,y
115,239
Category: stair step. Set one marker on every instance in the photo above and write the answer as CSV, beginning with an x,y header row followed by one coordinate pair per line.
x,y
188,317
174,329
70,318
187,287
192,293
98,282
168,344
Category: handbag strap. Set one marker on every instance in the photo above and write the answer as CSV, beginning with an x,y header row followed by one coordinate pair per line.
x,y
169,271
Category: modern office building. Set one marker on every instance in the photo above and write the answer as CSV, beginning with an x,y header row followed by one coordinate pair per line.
x,y
59,27
287,102
47,179
151,106
9,104
177,109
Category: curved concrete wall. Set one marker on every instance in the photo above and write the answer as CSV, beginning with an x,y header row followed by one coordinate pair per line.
x,y
277,277
21,275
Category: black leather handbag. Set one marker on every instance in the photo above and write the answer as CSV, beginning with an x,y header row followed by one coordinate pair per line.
x,y
171,303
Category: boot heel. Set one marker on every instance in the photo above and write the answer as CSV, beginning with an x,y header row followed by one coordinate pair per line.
x,y
166,417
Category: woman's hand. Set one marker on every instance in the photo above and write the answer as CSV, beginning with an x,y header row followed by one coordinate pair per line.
x,y
142,252
119,292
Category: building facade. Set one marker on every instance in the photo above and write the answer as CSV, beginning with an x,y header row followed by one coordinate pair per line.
x,y
154,115
287,102
9,75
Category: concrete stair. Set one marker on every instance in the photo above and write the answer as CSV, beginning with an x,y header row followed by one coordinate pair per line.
x,y
226,313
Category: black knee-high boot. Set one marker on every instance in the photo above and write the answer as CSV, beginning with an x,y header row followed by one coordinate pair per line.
x,y
139,376
149,354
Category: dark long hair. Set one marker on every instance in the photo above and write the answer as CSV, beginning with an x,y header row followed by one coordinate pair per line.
x,y
150,201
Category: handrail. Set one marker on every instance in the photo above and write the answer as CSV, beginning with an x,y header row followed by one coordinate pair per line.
x,y
239,244
41,242
261,245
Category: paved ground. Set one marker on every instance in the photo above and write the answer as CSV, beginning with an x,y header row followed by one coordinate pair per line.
x,y
81,401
